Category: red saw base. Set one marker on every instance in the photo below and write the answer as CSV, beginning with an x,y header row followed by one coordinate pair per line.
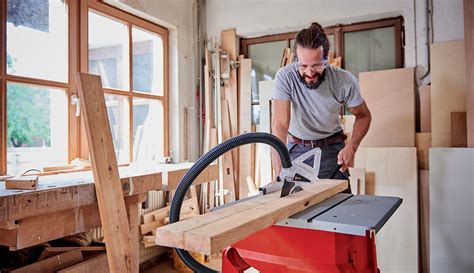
x,y
280,249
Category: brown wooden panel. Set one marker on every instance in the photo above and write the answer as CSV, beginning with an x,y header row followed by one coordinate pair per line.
x,y
425,108
52,264
96,264
423,144
458,129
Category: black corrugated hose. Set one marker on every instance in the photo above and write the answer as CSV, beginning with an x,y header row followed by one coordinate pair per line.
x,y
205,161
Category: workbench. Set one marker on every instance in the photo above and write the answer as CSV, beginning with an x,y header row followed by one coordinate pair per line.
x,y
66,204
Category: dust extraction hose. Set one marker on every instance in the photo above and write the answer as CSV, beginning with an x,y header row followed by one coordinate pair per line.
x,y
205,161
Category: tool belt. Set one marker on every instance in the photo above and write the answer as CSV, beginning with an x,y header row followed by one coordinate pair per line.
x,y
320,143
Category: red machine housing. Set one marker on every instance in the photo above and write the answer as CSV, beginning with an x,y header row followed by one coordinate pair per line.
x,y
283,249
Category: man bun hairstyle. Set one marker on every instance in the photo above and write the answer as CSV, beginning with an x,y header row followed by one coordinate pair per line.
x,y
313,37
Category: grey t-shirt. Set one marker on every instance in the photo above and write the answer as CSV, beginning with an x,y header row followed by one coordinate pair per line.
x,y
315,112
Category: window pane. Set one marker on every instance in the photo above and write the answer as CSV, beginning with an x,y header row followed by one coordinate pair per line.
x,y
369,50
266,59
147,62
148,129
108,51
37,127
37,39
118,113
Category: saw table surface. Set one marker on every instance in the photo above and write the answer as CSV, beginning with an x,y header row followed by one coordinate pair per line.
x,y
346,213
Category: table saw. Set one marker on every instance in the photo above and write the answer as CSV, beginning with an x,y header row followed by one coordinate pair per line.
x,y
336,235
331,232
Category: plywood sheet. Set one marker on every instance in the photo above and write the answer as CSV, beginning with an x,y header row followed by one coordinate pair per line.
x,y
451,204
390,96
265,88
425,108
458,129
393,172
213,231
448,85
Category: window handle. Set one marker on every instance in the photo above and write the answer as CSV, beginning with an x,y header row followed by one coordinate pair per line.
x,y
75,100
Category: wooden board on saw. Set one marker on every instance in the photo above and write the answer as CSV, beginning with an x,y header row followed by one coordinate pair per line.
x,y
211,232
393,172
423,144
425,108
393,124
469,51
245,123
448,92
451,218
264,151
121,252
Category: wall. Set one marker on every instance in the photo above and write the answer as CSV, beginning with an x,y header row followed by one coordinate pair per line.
x,y
178,16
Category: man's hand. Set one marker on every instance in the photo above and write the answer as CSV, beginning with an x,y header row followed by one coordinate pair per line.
x,y
346,157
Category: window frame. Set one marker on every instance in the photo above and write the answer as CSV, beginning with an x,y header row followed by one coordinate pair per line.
x,y
338,32
78,62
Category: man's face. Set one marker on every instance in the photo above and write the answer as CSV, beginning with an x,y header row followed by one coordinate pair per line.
x,y
311,64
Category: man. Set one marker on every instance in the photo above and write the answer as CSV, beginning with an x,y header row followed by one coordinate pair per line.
x,y
315,92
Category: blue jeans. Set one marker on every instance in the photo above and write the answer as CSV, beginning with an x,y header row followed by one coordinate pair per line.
x,y
328,160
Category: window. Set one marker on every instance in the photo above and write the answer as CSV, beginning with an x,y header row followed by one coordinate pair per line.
x,y
365,46
43,44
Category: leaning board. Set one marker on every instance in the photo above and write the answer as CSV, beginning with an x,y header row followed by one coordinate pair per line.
x,y
451,217
448,85
211,232
394,173
390,96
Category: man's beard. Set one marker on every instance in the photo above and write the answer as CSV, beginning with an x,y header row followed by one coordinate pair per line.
x,y
315,84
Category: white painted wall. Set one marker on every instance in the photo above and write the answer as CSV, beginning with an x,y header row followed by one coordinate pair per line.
x,y
178,16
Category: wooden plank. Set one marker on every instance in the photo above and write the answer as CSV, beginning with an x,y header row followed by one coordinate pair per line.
x,y
425,108
120,254
22,183
229,181
213,231
208,174
423,144
394,173
96,264
447,89
458,129
265,93
451,218
208,110
245,123
50,251
393,124
469,50
52,264
424,211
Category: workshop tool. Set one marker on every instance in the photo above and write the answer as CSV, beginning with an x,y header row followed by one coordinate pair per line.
x,y
336,235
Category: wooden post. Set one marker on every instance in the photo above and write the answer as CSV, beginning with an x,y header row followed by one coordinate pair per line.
x,y
469,48
113,215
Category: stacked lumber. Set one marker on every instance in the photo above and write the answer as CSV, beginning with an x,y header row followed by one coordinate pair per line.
x,y
157,218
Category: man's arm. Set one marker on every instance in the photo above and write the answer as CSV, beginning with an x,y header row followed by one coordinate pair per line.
x,y
280,124
361,126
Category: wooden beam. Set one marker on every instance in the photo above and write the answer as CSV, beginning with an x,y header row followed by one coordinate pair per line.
x,y
120,254
245,118
53,263
96,264
469,53
211,232
22,183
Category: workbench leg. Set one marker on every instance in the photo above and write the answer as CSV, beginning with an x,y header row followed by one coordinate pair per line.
x,y
133,221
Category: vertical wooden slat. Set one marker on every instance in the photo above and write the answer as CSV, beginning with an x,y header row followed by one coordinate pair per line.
x,y
3,91
74,66
469,51
245,106
121,254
